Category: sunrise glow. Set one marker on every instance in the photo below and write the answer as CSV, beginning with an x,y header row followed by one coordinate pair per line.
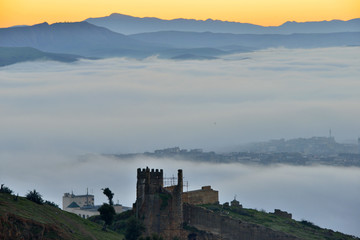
x,y
262,12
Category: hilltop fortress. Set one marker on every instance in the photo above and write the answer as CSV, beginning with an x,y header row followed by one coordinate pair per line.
x,y
174,214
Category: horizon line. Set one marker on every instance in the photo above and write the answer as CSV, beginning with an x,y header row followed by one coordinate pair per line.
x,y
180,18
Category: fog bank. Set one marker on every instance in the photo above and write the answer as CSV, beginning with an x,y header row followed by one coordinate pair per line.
x,y
56,120
122,105
326,196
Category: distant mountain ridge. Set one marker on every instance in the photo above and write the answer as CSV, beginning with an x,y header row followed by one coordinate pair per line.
x,y
91,41
126,24
247,42
12,55
81,38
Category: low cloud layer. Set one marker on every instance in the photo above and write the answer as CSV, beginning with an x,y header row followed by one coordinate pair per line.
x,y
122,105
326,196
51,113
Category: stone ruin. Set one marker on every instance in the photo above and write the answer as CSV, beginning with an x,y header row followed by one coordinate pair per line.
x,y
166,210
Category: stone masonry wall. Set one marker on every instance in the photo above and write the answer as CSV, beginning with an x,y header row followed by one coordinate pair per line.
x,y
227,228
160,209
205,195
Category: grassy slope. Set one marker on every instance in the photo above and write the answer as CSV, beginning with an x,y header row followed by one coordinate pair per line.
x,y
70,224
12,55
303,230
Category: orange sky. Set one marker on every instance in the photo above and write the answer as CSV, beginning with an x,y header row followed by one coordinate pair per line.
x,y
262,12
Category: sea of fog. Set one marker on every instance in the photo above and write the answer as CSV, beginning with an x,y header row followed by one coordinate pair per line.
x,y
56,120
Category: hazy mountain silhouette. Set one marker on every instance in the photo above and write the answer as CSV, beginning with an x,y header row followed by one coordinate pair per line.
x,y
80,38
246,42
131,25
12,55
88,40
193,53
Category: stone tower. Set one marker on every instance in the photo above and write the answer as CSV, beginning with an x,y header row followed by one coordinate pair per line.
x,y
160,208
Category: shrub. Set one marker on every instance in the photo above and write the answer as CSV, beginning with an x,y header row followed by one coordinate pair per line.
x,y
35,197
51,204
309,224
134,229
5,189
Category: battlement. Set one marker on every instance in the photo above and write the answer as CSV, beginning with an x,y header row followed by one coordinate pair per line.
x,y
159,207
152,177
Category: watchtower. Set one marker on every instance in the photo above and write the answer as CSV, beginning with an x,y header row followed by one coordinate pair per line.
x,y
159,207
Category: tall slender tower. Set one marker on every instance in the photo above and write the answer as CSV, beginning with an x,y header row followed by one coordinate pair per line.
x,y
359,145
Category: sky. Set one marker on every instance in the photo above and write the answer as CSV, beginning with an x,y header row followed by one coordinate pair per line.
x,y
261,12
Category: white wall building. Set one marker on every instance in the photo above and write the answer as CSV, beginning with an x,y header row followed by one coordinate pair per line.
x,y
83,205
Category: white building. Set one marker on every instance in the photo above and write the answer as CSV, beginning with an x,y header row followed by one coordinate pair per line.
x,y
83,205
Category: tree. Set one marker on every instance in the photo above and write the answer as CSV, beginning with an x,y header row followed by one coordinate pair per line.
x,y
134,229
107,213
35,197
5,189
109,194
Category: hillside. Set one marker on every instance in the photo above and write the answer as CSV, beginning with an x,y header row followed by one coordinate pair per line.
x,y
12,55
23,219
304,230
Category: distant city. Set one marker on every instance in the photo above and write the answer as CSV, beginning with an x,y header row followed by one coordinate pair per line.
x,y
300,151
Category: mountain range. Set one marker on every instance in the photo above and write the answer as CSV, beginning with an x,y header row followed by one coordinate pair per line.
x,y
85,39
131,25
80,38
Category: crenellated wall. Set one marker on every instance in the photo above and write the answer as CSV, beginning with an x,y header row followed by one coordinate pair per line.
x,y
160,208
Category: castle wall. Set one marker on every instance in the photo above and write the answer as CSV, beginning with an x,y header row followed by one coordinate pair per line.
x,y
205,195
160,209
227,228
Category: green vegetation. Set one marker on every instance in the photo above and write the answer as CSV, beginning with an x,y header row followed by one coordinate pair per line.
x,y
124,223
35,197
4,189
12,55
134,229
119,224
107,211
46,222
303,229
107,192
